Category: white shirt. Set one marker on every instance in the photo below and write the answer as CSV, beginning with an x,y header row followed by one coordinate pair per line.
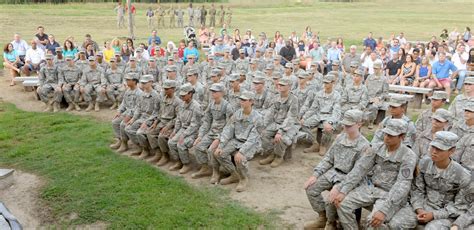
x,y
21,47
402,41
456,59
34,56
369,64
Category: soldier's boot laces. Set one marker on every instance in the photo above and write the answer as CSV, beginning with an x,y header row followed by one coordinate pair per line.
x,y
267,160
144,154
116,145
276,162
203,172
185,169
215,176
123,147
176,166
312,149
164,160
233,178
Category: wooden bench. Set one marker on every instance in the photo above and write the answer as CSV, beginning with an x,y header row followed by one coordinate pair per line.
x,y
419,93
33,85
22,79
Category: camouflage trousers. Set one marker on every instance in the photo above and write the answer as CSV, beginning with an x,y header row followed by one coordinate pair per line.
x,y
323,137
372,110
118,125
115,92
399,217
137,134
158,139
228,152
46,90
180,151
278,149
90,89
202,150
71,92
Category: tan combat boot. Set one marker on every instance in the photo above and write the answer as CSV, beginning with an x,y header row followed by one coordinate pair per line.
x,y
56,107
97,107
49,106
313,149
156,157
317,224
233,178
242,186
203,172
216,175
144,154
331,225
176,166
322,150
70,107
276,162
267,160
90,107
114,106
76,106
116,145
123,147
185,169
164,160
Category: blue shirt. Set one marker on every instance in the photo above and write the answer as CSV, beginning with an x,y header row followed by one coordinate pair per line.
x,y
333,54
11,57
441,70
370,42
188,51
70,52
157,40
52,47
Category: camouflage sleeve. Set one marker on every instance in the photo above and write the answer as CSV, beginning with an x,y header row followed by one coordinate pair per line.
x,y
306,104
461,202
227,132
401,188
466,219
156,110
206,122
461,148
361,168
344,98
336,111
195,121
121,109
41,76
385,95
312,110
103,79
419,123
418,191
452,106
268,119
328,160
61,77
364,100
411,134
253,140
291,117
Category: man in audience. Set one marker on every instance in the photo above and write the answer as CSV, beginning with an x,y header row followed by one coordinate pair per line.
x,y
34,57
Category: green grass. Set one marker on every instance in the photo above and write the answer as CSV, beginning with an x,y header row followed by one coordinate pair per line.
x,y
86,178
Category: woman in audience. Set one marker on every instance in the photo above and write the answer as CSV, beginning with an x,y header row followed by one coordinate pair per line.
x,y
340,45
69,49
236,35
422,74
108,52
408,71
116,44
11,61
89,50
204,36
402,55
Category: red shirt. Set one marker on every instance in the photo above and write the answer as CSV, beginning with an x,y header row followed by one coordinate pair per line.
x,y
181,52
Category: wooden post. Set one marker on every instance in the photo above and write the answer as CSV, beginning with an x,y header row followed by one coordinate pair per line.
x,y
130,19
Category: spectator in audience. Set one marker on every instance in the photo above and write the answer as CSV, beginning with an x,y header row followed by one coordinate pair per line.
x,y
467,34
204,36
236,36
340,45
87,40
370,42
470,60
333,54
182,46
380,44
33,59
69,49
369,63
116,44
416,56
89,51
11,61
407,72
395,47
108,51
402,54
432,57
441,74
301,49
288,52
459,60
349,58
402,39
191,50
422,74
154,37
393,68
42,38
170,46
20,46
384,56
52,44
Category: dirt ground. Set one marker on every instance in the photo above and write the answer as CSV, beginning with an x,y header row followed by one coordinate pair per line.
x,y
278,191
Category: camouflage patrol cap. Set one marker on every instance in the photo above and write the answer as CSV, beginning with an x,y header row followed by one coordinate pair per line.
x,y
242,73
226,50
49,57
377,64
336,62
352,117
59,48
167,84
152,59
192,72
171,68
469,106
289,65
303,75
259,50
469,81
132,58
221,66
131,76
359,72
444,140
215,72
284,81
354,64
211,56
170,58
112,59
247,95
295,61
277,58
185,89
139,50
329,78
69,57
146,78
439,95
269,67
241,51
234,77
175,50
396,101
190,56
395,127
118,54
82,50
217,87
442,115
101,54
91,58
276,76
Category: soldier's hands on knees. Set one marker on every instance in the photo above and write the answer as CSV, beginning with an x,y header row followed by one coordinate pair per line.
x,y
425,217
117,115
163,130
339,198
214,144
277,138
181,140
311,180
454,227
377,219
333,194
143,126
218,152
197,141
327,127
153,126
130,122
239,158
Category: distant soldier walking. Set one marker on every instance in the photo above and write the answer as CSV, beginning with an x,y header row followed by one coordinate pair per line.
x,y
212,13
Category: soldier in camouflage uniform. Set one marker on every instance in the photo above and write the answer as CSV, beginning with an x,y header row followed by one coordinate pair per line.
x,y
440,185
239,140
440,121
185,130
180,14
125,112
381,178
323,114
172,14
114,83
212,14
160,13
137,128
172,74
336,164
355,95
192,78
438,100
152,69
233,94
304,92
466,220
133,67
281,125
99,58
288,74
465,149
121,65
241,63
49,84
263,97
163,123
59,59
206,68
69,78
91,83
82,62
215,117
458,105
397,108
221,16
377,87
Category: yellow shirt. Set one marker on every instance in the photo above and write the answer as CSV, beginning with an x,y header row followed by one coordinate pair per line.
x,y
108,54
